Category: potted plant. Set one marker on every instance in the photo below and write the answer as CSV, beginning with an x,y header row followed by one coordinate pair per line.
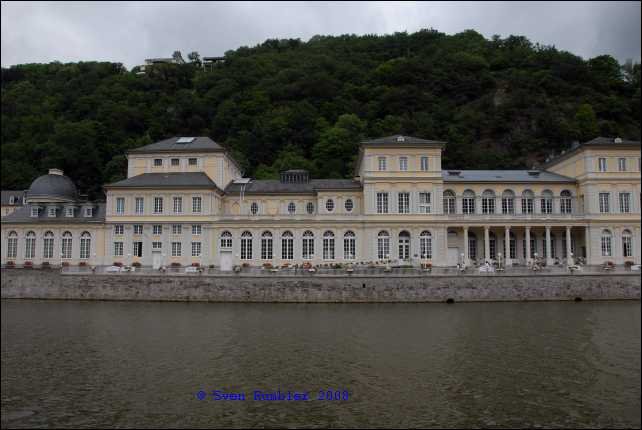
x,y
175,264
196,264
28,265
237,269
116,263
136,264
10,264
244,265
267,265
82,264
628,264
65,264
46,265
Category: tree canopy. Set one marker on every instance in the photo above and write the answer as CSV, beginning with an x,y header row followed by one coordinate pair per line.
x,y
499,103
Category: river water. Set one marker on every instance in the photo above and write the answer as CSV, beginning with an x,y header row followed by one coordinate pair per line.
x,y
128,364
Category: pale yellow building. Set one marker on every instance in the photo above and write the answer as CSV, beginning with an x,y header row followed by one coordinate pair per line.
x,y
185,201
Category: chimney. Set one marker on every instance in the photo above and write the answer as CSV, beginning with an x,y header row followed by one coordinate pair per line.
x,y
55,172
617,140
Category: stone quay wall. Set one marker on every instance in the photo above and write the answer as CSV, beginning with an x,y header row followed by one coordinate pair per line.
x,y
51,284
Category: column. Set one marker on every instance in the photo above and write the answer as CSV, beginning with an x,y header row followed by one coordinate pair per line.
x,y
527,238
507,246
549,260
569,257
486,243
445,252
617,246
636,245
466,261
587,244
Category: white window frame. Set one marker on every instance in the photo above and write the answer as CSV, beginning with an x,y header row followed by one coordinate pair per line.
x,y
604,202
424,164
625,202
621,164
197,204
140,205
328,245
382,163
158,205
382,203
349,245
197,229
119,229
138,229
425,202
120,205
403,164
307,245
403,202
118,248
157,229
602,164
177,250
196,249
177,229
177,204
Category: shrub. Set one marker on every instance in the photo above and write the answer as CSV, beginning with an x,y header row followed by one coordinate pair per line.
x,y
267,265
136,264
628,264
28,265
117,264
175,264
10,264
65,264
211,266
196,264
245,265
46,265
82,263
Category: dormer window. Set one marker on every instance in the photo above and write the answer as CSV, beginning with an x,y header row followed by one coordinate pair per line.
x,y
400,139
70,212
51,212
192,161
35,211
12,200
158,162
176,162
89,212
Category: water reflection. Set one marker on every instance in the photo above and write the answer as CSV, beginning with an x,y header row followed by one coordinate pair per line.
x,y
80,364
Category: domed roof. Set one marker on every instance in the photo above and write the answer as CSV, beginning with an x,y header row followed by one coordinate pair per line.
x,y
53,185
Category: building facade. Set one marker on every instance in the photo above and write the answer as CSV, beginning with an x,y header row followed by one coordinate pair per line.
x,y
185,202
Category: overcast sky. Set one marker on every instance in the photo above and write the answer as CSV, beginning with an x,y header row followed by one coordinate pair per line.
x,y
130,32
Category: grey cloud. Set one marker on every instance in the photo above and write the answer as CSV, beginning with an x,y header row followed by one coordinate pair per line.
x,y
131,32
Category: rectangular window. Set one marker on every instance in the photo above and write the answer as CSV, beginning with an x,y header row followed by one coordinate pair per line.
x,y
12,247
157,229
196,249
382,203
383,247
140,205
602,164
158,162
196,229
449,204
424,164
158,205
382,163
328,248
51,212
468,205
246,248
138,249
66,247
625,203
266,248
89,212
488,205
176,162
508,205
177,228
424,203
35,212
69,212
349,248
48,247
606,245
120,205
287,248
119,229
604,203
403,164
178,205
157,245
621,164
30,247
308,247
118,249
527,206
196,204
176,249
627,246
547,206
138,229
192,161
404,203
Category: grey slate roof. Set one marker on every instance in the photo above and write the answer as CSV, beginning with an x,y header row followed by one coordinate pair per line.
x,y
49,185
503,176
407,140
18,194
22,215
271,186
166,180
199,144
610,141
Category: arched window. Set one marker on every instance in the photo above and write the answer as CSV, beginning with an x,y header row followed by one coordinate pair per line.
x,y
627,244
310,208
425,244
308,245
508,202
329,205
266,246
30,245
527,202
246,245
468,202
606,243
566,202
383,245
404,245
488,202
472,246
226,241
349,205
254,208
66,243
328,245
85,245
547,202
291,208
287,245
349,246
12,245
449,202
48,245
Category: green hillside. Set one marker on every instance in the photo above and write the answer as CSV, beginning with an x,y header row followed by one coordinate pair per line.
x,y
500,103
